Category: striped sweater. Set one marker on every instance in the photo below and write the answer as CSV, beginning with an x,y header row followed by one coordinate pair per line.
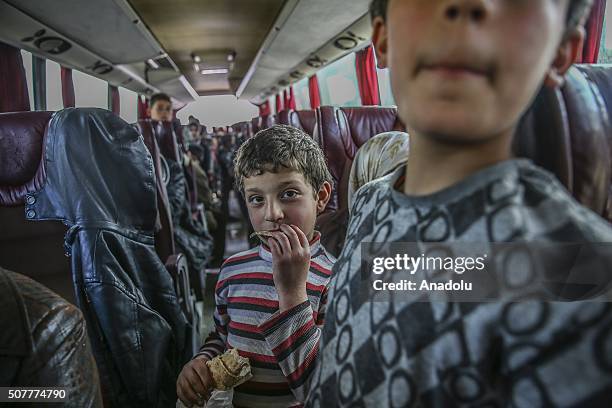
x,y
247,318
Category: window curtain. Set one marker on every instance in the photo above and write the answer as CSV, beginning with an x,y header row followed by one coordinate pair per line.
x,y
594,29
313,92
365,65
289,98
264,109
279,103
143,105
13,85
68,97
114,104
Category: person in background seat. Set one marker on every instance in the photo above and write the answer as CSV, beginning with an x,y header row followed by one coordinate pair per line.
x,y
43,342
376,158
160,108
194,153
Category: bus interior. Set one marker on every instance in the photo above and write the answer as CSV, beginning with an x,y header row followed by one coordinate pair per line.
x,y
231,68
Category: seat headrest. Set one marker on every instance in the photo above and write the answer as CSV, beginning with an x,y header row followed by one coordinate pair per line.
x,y
255,124
22,135
305,120
368,121
283,117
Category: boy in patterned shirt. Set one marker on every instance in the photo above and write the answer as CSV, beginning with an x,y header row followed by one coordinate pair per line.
x,y
285,181
463,72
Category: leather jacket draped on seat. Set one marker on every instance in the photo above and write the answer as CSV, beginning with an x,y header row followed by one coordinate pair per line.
x,y
100,182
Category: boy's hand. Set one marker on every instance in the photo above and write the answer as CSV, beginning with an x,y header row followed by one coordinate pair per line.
x,y
290,265
194,383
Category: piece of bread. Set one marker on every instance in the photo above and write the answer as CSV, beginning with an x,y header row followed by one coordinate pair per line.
x,y
262,235
229,370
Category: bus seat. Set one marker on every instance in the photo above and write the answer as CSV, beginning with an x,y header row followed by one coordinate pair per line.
x,y
283,117
165,246
268,121
99,179
568,132
167,139
33,249
340,132
178,131
164,236
306,119
243,127
255,125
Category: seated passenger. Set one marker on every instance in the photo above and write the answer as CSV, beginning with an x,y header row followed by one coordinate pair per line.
x,y
376,158
43,342
463,73
160,108
194,152
283,176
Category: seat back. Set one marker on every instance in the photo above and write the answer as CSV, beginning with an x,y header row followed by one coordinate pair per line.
x,y
32,248
305,120
568,132
255,125
164,236
340,132
243,127
166,139
283,117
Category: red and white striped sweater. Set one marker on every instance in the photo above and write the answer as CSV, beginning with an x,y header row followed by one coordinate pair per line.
x,y
281,347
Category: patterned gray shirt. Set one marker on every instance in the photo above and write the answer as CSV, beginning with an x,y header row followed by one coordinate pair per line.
x,y
401,353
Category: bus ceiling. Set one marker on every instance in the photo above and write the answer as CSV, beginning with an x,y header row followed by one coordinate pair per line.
x,y
189,48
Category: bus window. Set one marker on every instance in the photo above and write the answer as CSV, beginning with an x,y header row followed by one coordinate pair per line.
x,y
89,91
302,98
338,83
128,105
384,87
26,56
605,48
54,86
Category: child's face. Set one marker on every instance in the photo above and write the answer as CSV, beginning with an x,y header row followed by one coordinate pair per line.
x,y
466,70
194,131
161,111
284,197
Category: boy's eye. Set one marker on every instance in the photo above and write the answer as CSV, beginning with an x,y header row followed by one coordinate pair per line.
x,y
255,200
289,194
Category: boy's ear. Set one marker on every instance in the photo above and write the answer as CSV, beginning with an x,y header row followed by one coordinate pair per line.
x,y
323,196
379,40
567,54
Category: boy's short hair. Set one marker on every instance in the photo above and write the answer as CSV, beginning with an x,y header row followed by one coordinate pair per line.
x,y
576,16
159,97
281,146
196,150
